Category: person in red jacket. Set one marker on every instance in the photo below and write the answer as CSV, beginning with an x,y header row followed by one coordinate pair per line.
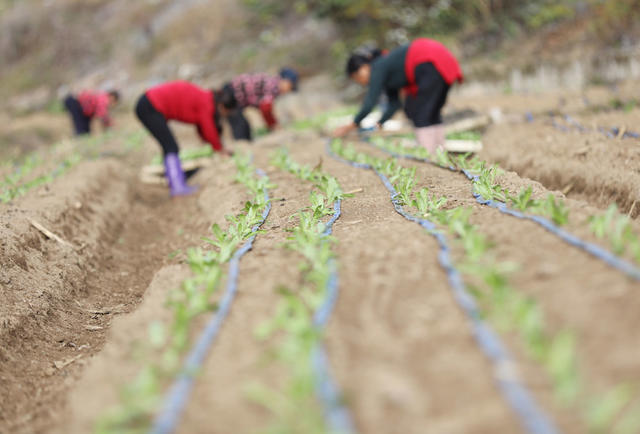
x,y
423,70
87,105
259,91
184,102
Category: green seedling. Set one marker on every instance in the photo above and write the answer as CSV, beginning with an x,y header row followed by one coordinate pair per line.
x,y
617,230
405,181
326,183
502,304
168,343
629,422
319,205
426,203
52,164
465,135
443,159
556,209
318,122
561,363
467,162
294,408
602,413
524,200
485,184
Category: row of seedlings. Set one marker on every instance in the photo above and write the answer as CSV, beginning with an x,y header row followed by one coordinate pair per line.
x,y
611,227
506,307
167,344
302,314
35,168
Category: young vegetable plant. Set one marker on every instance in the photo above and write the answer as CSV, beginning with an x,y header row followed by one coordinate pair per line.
x,y
524,200
617,230
319,121
161,362
294,406
465,135
485,182
56,162
426,203
505,306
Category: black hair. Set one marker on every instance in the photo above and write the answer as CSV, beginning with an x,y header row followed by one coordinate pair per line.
x,y
360,58
114,94
226,97
291,75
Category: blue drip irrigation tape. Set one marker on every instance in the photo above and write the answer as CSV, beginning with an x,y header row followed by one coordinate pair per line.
x,y
611,133
336,415
175,401
593,249
516,394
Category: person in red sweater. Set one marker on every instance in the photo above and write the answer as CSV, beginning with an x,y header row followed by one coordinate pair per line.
x,y
184,102
87,105
423,70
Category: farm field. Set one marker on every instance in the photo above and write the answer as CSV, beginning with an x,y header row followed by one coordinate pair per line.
x,y
315,286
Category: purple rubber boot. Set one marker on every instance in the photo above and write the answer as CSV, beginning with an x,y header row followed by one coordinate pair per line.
x,y
177,181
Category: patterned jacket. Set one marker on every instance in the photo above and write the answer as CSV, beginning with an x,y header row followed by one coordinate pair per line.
x,y
257,90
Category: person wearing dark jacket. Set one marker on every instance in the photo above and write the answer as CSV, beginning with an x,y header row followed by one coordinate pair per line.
x,y
184,102
423,70
87,105
258,91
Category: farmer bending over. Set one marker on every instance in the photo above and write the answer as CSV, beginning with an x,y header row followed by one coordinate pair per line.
x,y
258,91
88,105
184,102
424,70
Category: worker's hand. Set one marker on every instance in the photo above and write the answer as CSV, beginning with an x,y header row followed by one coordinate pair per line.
x,y
227,152
344,130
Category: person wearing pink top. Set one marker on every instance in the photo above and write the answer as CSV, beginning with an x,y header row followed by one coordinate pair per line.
x,y
87,105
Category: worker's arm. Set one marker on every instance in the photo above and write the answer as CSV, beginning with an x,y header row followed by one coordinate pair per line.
x,y
376,86
209,133
266,108
393,105
102,111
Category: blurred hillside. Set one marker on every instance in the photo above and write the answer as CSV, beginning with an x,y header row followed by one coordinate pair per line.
x,y
479,25
50,46
498,40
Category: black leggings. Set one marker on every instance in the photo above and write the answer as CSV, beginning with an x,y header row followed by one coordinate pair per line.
x,y
425,108
157,125
239,125
81,122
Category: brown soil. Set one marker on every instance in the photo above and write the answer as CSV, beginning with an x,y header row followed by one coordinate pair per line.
x,y
59,300
27,133
394,356
569,284
188,219
587,166
400,348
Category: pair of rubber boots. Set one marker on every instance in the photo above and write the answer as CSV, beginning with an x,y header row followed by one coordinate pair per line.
x,y
175,175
